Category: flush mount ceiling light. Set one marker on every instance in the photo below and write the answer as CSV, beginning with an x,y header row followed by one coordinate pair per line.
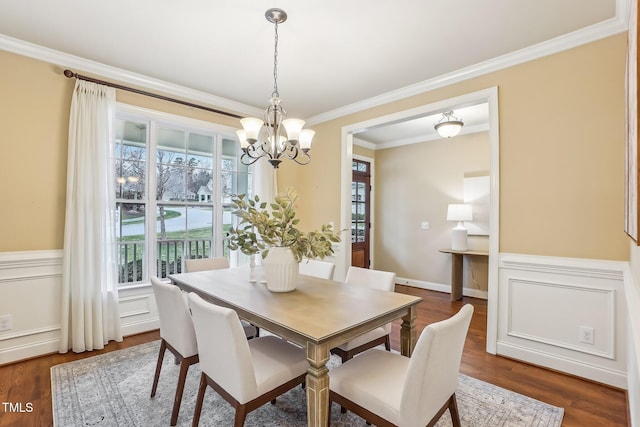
x,y
275,137
449,125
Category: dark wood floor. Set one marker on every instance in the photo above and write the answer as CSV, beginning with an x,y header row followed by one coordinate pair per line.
x,y
585,403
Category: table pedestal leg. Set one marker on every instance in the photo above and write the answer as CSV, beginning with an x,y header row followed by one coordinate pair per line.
x,y
408,332
317,386
456,277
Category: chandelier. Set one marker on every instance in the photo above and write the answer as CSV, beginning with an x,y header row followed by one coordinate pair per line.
x,y
449,125
276,137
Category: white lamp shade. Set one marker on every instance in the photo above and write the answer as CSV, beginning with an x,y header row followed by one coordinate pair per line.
x,y
242,136
459,212
251,127
306,136
449,129
293,128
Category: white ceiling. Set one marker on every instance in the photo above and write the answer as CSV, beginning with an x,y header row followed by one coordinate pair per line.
x,y
332,53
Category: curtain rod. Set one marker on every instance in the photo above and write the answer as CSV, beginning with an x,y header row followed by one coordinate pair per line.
x,y
71,74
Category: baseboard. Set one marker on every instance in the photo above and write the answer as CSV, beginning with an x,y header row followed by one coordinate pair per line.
x,y
439,287
29,350
134,328
595,373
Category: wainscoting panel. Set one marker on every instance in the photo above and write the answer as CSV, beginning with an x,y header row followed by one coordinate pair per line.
x,y
566,314
30,293
595,311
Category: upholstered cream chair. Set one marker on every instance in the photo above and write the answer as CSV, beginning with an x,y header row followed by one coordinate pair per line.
x,y
316,268
388,389
374,279
204,264
247,374
177,335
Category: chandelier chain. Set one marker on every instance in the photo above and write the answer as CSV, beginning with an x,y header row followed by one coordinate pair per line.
x,y
275,64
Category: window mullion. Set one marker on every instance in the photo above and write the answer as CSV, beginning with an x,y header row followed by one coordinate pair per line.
x,y
217,197
152,203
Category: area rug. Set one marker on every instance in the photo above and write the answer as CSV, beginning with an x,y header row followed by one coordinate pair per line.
x,y
113,389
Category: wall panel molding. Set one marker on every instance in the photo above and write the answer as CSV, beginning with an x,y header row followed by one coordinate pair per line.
x,y
544,304
36,321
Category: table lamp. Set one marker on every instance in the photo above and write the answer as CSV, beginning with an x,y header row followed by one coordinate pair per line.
x,y
459,212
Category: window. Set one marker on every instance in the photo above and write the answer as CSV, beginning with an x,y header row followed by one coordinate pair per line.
x,y
174,185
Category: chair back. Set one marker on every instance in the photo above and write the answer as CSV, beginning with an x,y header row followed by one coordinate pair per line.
x,y
224,351
315,268
374,279
203,264
432,376
176,327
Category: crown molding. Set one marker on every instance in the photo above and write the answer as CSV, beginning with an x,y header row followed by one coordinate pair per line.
x,y
77,64
577,38
568,41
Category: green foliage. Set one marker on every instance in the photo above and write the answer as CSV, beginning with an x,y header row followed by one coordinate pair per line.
x,y
265,225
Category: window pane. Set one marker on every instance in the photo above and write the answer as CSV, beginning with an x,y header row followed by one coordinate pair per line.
x,y
199,231
170,183
130,238
236,177
200,222
361,230
362,194
200,148
171,140
170,235
130,154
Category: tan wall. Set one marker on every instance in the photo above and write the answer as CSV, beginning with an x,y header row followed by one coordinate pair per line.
x,y
34,107
561,146
415,183
561,143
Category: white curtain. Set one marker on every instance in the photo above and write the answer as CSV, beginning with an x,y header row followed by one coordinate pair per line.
x,y
89,308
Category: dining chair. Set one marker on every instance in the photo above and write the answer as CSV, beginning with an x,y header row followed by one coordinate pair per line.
x,y
204,264
177,335
316,268
387,389
246,373
373,279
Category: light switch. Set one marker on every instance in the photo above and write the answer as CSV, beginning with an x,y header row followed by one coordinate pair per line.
x,y
424,225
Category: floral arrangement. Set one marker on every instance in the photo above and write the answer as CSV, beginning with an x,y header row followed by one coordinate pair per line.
x,y
264,225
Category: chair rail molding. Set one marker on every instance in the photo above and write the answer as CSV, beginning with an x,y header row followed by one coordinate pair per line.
x,y
566,314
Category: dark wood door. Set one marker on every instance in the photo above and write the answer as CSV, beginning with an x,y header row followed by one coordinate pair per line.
x,y
360,213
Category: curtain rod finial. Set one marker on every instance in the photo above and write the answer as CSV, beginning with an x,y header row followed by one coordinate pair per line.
x,y
69,73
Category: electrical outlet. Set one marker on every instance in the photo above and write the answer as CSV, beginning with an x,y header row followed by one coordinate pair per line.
x,y
586,334
6,322
424,225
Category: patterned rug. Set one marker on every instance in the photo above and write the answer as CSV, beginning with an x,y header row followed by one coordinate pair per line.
x,y
113,390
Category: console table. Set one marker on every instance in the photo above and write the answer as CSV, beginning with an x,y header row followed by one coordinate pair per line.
x,y
457,258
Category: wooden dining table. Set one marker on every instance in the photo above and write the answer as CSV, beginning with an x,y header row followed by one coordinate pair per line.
x,y
318,315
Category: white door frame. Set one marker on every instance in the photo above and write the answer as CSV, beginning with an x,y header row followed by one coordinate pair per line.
x,y
489,96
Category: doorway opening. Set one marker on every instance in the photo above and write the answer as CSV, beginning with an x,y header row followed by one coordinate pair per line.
x,y
488,96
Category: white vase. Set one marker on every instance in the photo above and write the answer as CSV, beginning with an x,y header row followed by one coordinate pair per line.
x,y
280,269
